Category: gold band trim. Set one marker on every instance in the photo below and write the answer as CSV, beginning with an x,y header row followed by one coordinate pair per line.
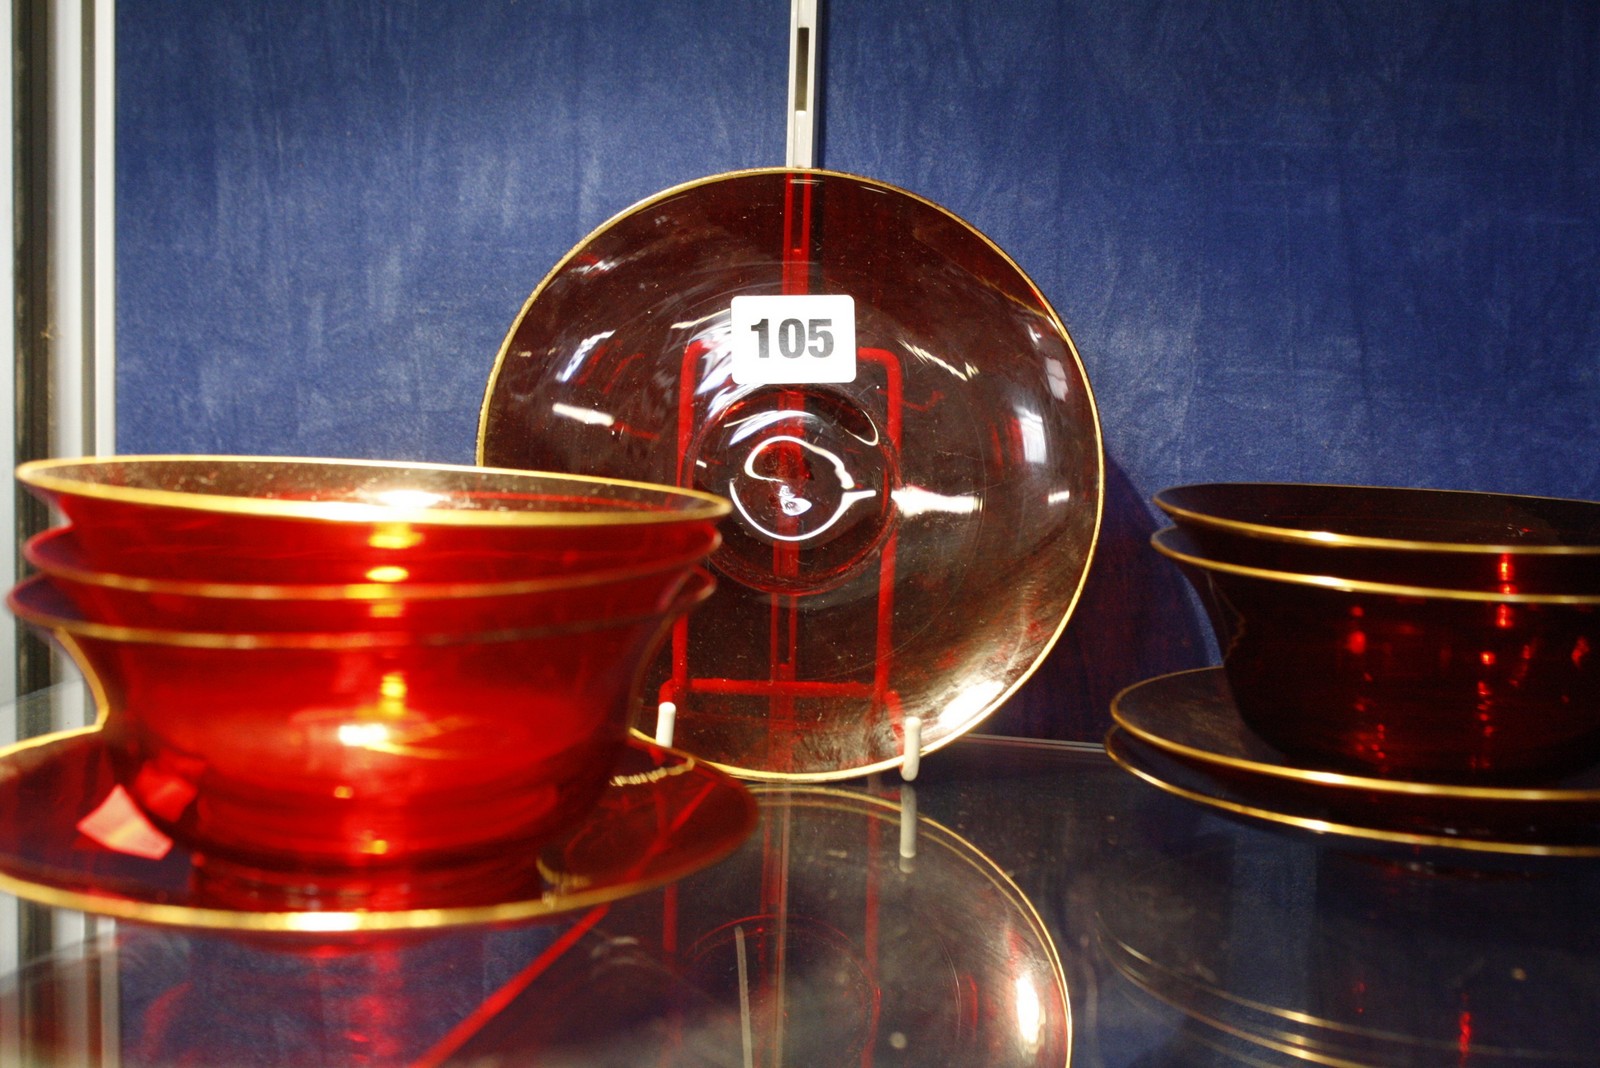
x,y
1315,777
23,602
1331,539
1321,826
38,548
48,477
1161,540
322,923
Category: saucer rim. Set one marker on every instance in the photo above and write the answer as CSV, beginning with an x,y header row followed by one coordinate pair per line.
x,y
1117,745
1141,727
549,904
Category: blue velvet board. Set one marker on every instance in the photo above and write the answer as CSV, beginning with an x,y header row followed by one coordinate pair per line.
x,y
1312,241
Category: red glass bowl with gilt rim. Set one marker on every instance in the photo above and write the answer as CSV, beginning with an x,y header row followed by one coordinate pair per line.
x,y
340,751
899,417
1410,682
405,607
1443,539
245,519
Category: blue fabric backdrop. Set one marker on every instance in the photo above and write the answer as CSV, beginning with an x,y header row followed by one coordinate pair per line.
x,y
1318,241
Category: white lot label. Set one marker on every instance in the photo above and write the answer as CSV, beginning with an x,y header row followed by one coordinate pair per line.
x,y
794,339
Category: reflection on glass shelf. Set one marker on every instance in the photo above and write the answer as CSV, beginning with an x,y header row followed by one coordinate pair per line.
x,y
848,930
29,931
867,925
1275,951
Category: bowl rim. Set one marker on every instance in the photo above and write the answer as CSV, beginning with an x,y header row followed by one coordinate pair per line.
x,y
67,625
49,477
1188,554
34,548
1333,539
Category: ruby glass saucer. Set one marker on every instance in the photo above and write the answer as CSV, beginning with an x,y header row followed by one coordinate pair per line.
x,y
69,840
902,424
1183,734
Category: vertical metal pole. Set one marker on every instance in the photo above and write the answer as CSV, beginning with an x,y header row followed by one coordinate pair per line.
x,y
804,39
30,924
101,278
31,322
61,94
63,288
8,383
10,910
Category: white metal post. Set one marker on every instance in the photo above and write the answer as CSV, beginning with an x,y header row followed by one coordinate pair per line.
x,y
803,43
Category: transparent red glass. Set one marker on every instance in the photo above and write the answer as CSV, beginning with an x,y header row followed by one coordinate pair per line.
x,y
909,535
1405,681
235,519
348,750
403,610
1448,539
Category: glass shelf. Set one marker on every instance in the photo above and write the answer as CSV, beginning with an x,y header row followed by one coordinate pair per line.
x,y
1022,903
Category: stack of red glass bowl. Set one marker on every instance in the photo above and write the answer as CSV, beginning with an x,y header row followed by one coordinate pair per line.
x,y
1427,634
326,665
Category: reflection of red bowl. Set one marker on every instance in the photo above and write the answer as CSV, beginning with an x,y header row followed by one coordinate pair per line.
x,y
272,520
1493,542
1409,681
399,608
349,750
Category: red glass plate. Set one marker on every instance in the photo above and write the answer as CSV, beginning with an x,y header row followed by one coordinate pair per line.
x,y
910,532
1183,733
664,815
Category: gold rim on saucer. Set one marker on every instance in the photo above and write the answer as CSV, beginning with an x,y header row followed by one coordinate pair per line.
x,y
1191,714
665,816
1153,980
1140,760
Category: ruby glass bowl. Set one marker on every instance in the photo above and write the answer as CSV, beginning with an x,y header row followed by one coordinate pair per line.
x,y
236,519
349,750
1446,539
394,608
1407,681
